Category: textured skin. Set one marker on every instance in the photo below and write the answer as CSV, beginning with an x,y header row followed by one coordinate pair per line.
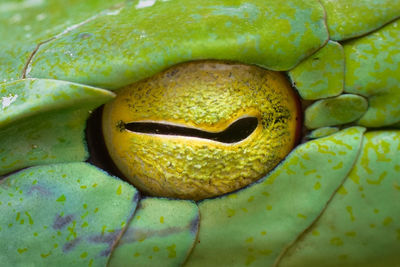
x,y
283,218
373,70
335,111
44,120
43,203
327,63
162,230
356,225
232,30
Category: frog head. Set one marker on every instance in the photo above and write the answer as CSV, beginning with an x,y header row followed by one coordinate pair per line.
x,y
331,201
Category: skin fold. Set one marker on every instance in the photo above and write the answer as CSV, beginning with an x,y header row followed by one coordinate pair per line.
x,y
332,201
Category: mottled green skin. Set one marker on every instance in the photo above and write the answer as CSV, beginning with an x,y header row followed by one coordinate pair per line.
x,y
43,121
162,231
26,23
109,52
335,111
351,18
64,211
322,132
360,217
320,75
373,70
108,48
257,223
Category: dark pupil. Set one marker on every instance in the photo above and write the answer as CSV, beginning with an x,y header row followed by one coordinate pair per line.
x,y
237,131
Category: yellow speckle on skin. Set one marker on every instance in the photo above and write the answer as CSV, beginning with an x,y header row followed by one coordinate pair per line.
x,y
268,207
336,241
22,250
266,194
45,255
62,198
338,166
310,172
84,255
387,221
317,186
250,259
396,186
142,237
156,249
380,179
263,233
162,219
350,211
103,229
302,216
119,190
342,190
230,212
137,254
315,233
232,196
351,234
249,240
171,251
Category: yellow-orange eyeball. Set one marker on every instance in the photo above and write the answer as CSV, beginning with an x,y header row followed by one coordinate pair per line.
x,y
201,129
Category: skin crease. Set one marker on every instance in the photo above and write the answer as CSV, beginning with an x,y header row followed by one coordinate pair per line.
x,y
346,214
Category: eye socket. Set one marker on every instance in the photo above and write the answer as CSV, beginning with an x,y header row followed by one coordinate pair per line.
x,y
201,129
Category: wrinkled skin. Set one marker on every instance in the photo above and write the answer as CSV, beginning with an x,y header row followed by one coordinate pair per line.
x,y
333,201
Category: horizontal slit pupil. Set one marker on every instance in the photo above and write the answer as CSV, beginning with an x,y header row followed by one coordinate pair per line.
x,y
237,131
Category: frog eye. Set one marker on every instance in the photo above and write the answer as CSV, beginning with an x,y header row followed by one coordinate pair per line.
x,y
201,129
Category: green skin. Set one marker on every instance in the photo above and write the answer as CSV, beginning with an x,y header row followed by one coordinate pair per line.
x,y
333,201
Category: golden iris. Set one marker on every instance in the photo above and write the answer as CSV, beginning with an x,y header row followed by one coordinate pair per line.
x,y
201,129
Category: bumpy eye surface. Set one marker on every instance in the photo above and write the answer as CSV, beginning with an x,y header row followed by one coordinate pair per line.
x,y
201,129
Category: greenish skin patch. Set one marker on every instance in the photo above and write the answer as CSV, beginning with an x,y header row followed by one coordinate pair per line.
x,y
360,212
322,132
85,53
63,211
26,23
320,75
351,18
108,52
373,70
335,111
273,221
162,231
43,121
